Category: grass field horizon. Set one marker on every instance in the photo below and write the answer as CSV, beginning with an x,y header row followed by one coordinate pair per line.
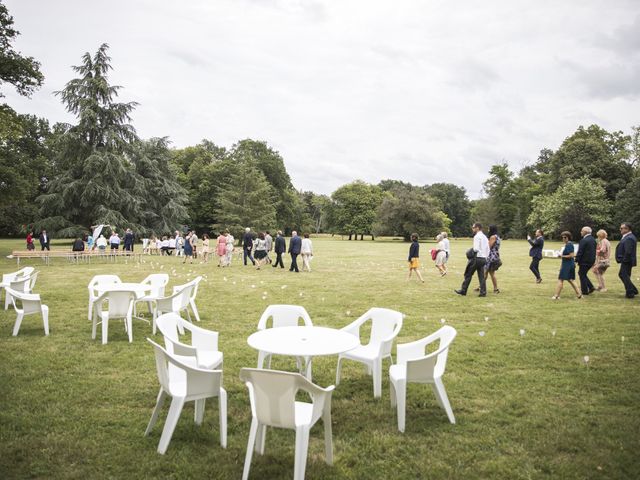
x,y
526,401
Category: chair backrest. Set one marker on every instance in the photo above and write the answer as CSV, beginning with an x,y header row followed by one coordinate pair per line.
x,y
284,316
272,394
385,323
120,303
32,280
30,302
433,365
158,281
102,279
192,285
23,272
170,368
168,325
20,284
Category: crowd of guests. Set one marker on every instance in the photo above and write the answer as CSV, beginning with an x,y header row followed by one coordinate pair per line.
x,y
592,255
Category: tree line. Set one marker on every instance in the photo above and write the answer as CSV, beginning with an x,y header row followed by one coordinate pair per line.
x,y
67,177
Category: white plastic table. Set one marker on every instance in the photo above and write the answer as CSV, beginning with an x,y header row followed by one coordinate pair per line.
x,y
138,288
303,341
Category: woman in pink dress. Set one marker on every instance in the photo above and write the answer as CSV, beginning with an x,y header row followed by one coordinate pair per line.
x,y
221,249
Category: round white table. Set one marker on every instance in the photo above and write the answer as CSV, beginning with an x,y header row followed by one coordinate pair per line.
x,y
138,288
303,341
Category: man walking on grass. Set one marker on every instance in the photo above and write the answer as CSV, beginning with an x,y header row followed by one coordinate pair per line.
x,y
477,261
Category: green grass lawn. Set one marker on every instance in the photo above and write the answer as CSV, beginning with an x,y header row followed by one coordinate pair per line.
x,y
527,406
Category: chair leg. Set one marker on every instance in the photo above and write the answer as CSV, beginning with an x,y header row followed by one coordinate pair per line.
x,y
90,310
261,356
105,327
377,378
392,391
195,309
16,327
7,300
441,393
328,435
94,326
156,411
302,447
129,322
401,399
155,315
198,414
170,424
261,439
45,318
253,430
338,370
222,406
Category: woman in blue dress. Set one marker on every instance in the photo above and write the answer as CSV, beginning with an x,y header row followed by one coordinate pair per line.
x,y
567,268
188,248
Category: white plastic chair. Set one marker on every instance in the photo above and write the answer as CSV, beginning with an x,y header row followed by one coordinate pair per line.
x,y
203,351
28,304
177,302
7,278
193,284
282,316
23,284
93,293
273,403
158,281
385,326
184,383
416,367
120,305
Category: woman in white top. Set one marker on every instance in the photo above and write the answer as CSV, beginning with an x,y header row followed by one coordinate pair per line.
x,y
306,250
260,253
441,256
229,251
447,245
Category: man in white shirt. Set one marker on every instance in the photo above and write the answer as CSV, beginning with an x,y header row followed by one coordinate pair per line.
x,y
477,261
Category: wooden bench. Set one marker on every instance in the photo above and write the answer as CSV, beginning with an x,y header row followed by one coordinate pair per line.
x,y
71,256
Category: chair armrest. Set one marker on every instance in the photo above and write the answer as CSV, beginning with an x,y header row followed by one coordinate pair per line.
x,y
354,327
183,349
164,301
202,338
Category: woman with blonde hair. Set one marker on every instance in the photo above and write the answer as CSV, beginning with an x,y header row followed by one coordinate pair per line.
x,y
441,256
229,249
603,254
205,248
568,267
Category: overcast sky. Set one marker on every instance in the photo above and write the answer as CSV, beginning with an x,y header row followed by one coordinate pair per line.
x,y
420,91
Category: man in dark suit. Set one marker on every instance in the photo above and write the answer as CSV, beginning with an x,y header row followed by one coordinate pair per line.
x,y
128,241
45,239
247,246
535,252
295,245
626,257
280,248
585,258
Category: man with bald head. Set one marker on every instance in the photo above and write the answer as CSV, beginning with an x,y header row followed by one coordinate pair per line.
x,y
585,258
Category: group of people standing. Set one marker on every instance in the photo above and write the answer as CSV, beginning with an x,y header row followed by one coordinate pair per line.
x,y
44,238
257,249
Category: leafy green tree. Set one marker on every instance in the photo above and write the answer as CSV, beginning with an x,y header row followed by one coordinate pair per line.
x,y
21,72
25,167
354,208
163,208
455,204
575,204
403,212
500,188
627,205
590,152
95,182
247,200
271,164
484,211
316,211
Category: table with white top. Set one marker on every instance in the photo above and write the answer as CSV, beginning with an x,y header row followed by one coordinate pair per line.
x,y
138,288
303,341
